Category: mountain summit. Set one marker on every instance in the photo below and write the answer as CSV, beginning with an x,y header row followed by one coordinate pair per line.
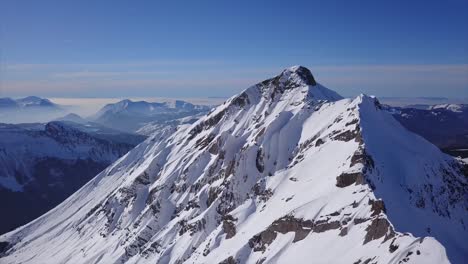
x,y
284,172
299,75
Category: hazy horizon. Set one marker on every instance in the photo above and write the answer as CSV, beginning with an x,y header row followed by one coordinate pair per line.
x,y
217,49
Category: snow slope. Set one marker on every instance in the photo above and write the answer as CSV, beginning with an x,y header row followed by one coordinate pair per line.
x,y
285,172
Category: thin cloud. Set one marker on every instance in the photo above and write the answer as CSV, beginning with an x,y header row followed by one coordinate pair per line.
x,y
100,74
47,66
395,80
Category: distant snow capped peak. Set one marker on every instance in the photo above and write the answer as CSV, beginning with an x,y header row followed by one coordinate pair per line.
x,y
457,108
128,115
34,101
30,101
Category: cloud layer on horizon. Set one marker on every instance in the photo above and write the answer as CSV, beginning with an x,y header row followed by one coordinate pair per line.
x,y
214,78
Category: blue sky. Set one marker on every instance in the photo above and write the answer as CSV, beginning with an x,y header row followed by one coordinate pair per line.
x,y
217,48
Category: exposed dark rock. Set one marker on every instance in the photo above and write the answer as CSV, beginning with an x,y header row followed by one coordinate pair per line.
x,y
377,207
338,119
260,133
241,100
4,246
393,247
352,122
358,221
155,247
406,259
347,135
191,205
283,225
344,231
464,169
127,195
347,179
377,104
93,210
152,194
227,202
306,75
308,143
214,148
377,229
229,226
319,142
262,193
282,82
142,179
206,124
322,226
207,250
155,208
193,227
203,142
180,188
335,213
212,195
367,261
361,157
230,260
300,227
259,160
230,168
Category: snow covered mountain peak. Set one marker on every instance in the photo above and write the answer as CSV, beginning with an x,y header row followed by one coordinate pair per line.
x,y
296,79
299,75
293,89
284,172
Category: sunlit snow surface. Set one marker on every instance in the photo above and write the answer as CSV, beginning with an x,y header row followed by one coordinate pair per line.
x,y
221,188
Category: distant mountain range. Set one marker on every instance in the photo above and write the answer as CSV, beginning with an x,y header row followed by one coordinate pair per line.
x,y
444,125
130,116
29,110
27,102
42,164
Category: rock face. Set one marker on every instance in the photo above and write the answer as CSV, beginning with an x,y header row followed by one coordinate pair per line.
x,y
285,172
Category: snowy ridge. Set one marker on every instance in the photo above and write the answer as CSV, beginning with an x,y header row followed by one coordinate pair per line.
x,y
451,107
286,171
21,148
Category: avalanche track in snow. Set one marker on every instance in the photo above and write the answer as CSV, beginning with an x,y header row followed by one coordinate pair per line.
x,y
285,172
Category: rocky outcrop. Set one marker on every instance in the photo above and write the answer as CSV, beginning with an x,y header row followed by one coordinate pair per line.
x,y
347,179
379,228
300,227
